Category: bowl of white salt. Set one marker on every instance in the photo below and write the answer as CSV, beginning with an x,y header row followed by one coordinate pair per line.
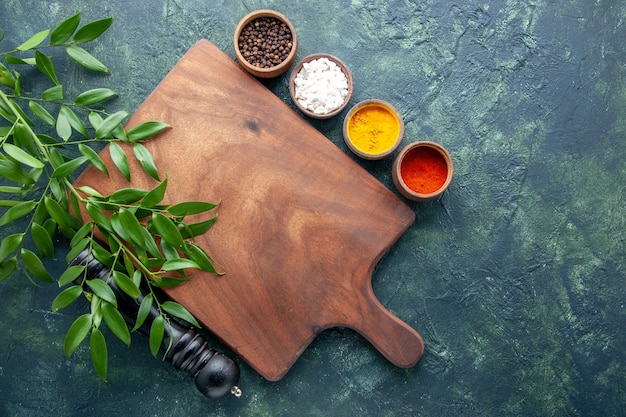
x,y
320,86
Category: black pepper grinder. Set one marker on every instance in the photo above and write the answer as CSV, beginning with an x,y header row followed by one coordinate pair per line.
x,y
215,373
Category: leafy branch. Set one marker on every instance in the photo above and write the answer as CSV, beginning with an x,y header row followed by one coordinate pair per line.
x,y
44,141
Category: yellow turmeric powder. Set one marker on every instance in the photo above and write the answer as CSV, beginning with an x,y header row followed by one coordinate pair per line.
x,y
373,129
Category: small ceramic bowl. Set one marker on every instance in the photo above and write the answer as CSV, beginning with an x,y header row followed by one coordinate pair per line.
x,y
275,70
292,86
422,171
373,129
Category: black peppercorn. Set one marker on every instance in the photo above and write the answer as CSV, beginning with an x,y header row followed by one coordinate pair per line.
x,y
266,42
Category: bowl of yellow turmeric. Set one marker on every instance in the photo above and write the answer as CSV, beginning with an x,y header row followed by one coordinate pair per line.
x,y
373,129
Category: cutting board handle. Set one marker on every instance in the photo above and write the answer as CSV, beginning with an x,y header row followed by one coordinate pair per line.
x,y
394,339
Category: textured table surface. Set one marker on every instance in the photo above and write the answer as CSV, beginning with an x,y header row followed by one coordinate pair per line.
x,y
515,277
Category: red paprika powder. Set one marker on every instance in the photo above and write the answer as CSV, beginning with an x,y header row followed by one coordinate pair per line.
x,y
424,170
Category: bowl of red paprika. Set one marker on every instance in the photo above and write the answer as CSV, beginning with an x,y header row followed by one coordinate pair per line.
x,y
422,171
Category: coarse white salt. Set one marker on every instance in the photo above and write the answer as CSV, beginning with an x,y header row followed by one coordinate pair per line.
x,y
321,86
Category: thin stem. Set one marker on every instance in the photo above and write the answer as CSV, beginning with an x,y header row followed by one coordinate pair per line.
x,y
57,102
36,48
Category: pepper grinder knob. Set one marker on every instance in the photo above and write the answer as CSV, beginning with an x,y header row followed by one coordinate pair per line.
x,y
215,373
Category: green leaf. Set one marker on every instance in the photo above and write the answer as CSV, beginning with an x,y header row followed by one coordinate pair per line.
x,y
76,334
10,190
98,217
166,282
137,278
169,251
145,130
102,290
197,229
102,254
85,59
93,157
133,228
55,93
17,90
114,320
64,30
190,207
39,111
56,158
181,263
90,191
34,175
155,196
119,159
35,266
92,30
9,245
95,119
99,354
120,134
200,257
144,157
76,206
74,121
7,268
6,77
94,96
179,311
58,190
144,310
157,331
21,156
7,110
96,310
13,60
66,297
19,110
63,125
43,240
57,212
126,284
103,205
49,224
81,233
109,124
34,40
149,243
23,137
168,230
46,66
18,211
76,249
13,172
126,196
66,169
70,274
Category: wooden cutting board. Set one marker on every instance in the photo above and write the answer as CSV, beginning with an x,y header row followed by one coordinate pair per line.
x,y
301,225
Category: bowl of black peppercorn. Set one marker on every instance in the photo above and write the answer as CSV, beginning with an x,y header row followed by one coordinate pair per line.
x,y
265,43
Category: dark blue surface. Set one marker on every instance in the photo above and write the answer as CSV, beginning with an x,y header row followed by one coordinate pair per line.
x,y
515,278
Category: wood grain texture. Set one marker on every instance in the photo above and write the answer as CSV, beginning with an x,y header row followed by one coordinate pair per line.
x,y
301,226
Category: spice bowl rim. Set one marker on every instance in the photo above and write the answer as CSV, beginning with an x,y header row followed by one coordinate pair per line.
x,y
358,106
276,70
397,166
292,85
